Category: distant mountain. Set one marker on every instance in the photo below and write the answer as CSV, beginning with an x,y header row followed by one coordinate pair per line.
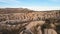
x,y
14,10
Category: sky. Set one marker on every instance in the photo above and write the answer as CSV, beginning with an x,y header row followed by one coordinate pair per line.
x,y
31,4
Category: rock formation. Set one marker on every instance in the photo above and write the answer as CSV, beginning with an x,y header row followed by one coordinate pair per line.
x,y
14,23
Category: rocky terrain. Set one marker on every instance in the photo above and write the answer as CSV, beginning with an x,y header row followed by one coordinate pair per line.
x,y
16,21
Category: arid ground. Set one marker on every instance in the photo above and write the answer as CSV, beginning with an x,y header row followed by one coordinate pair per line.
x,y
25,21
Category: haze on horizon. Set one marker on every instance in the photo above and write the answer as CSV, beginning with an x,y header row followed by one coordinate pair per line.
x,y
31,4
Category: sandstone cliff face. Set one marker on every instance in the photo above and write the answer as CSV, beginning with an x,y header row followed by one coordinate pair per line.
x,y
14,23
